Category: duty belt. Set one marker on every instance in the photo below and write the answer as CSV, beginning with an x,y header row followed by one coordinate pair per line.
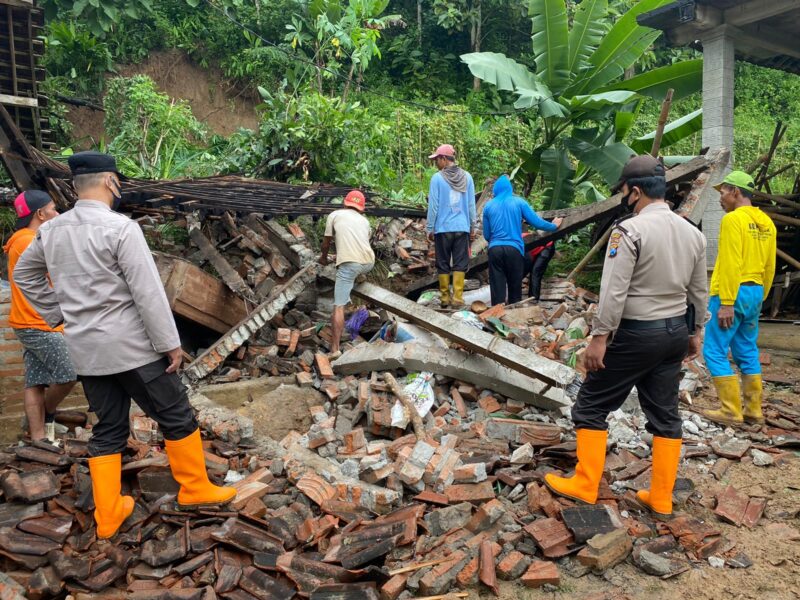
x,y
670,323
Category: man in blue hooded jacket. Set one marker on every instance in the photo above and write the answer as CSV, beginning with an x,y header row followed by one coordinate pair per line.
x,y
502,228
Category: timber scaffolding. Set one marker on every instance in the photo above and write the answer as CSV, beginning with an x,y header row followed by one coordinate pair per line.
x,y
784,210
30,167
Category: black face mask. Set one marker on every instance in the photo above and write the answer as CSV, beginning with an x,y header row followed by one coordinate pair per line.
x,y
117,197
626,206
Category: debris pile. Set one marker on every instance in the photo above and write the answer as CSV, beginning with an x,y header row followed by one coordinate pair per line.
x,y
397,489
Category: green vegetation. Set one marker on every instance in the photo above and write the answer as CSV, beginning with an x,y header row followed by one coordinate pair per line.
x,y
360,91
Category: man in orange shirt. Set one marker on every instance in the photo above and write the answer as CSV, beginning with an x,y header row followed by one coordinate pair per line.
x,y
49,374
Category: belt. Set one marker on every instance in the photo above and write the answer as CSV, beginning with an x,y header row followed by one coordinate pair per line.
x,y
672,322
748,283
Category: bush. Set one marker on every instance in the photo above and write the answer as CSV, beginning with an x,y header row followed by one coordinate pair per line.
x,y
152,135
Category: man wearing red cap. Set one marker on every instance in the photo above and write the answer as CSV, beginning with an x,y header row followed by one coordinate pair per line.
x,y
451,222
349,229
49,374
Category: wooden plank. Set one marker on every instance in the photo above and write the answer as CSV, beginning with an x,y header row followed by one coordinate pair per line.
x,y
19,101
480,342
197,295
576,218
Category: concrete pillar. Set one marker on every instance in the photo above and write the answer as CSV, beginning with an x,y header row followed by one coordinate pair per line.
x,y
718,77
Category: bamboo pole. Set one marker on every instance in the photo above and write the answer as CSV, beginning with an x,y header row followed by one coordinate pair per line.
x,y
416,420
792,261
662,122
590,255
782,218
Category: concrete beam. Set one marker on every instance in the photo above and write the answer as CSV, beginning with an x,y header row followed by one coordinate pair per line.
x,y
473,339
761,39
456,364
212,358
758,10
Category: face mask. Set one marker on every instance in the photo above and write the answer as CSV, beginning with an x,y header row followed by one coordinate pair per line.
x,y
117,194
626,206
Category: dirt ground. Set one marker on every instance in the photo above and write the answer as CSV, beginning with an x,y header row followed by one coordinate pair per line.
x,y
276,413
213,101
775,574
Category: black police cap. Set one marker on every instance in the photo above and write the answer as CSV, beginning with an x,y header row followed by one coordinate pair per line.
x,y
84,163
639,167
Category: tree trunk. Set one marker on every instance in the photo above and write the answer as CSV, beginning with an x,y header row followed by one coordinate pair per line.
x,y
419,23
349,81
476,41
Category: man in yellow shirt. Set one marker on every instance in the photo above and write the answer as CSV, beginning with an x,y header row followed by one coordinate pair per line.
x,y
741,281
49,374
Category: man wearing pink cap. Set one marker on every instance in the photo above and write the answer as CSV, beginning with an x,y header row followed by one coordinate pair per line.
x,y
451,222
348,228
49,374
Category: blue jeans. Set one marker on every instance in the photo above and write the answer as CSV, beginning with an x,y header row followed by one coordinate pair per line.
x,y
741,338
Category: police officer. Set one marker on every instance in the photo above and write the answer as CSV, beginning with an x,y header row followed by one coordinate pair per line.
x,y
120,333
654,261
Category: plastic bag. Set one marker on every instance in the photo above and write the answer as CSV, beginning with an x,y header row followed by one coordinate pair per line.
x,y
468,317
419,392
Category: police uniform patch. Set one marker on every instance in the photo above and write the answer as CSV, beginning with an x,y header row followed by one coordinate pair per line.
x,y
613,244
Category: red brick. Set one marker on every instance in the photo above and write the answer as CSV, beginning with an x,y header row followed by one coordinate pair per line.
x,y
470,492
468,392
486,516
468,575
605,550
489,404
439,579
442,410
12,372
539,573
551,535
432,498
354,440
512,566
332,391
283,337
395,586
13,359
11,346
323,366
471,473
459,402
304,379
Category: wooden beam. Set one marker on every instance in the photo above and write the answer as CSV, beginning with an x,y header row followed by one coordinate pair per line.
x,y
758,10
765,39
787,258
504,352
19,101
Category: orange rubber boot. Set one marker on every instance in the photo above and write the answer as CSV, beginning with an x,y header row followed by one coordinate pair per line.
x,y
584,484
666,456
110,507
188,466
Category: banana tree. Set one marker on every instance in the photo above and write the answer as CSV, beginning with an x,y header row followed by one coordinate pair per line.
x,y
585,107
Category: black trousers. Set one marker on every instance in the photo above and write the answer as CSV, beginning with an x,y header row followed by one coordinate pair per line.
x,y
452,248
506,268
651,360
536,268
159,394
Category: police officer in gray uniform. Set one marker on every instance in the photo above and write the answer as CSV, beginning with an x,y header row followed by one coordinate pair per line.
x,y
654,263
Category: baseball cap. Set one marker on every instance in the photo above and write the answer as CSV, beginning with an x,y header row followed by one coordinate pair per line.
x,y
638,167
28,203
444,150
355,199
738,179
90,161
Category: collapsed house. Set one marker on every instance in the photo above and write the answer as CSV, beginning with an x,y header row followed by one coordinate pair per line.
x,y
410,466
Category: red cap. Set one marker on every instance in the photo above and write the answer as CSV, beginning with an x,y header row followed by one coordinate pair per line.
x,y
27,203
355,199
444,150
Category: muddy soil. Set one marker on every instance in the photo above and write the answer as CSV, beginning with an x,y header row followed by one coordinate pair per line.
x,y
276,413
214,102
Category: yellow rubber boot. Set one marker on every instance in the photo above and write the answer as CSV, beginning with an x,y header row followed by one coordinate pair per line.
x,y
458,288
730,412
111,508
753,391
666,456
188,466
444,289
584,484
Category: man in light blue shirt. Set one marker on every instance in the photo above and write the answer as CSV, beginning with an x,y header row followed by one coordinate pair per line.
x,y
502,228
451,222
